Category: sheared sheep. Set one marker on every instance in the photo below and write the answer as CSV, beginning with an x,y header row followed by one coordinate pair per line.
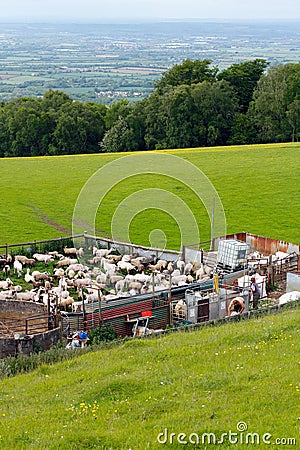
x,y
63,262
40,276
65,302
24,260
59,272
70,251
82,282
76,267
26,296
115,278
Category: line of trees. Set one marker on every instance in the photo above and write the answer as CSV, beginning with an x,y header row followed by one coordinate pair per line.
x,y
192,105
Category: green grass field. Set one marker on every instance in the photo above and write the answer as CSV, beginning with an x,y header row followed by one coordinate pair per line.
x,y
205,381
259,188
192,382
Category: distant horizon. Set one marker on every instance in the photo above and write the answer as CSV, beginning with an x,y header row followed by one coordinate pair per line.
x,y
149,10
114,20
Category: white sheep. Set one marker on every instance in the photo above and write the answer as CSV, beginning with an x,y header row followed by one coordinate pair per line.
x,y
18,267
289,297
175,273
101,252
101,278
43,258
120,285
80,252
76,267
26,296
8,295
77,306
115,278
107,265
71,274
6,270
93,297
180,280
63,262
180,264
188,268
28,278
82,282
40,276
55,254
181,309
135,285
142,277
200,272
114,258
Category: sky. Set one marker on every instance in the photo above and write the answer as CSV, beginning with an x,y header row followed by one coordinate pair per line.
x,y
103,10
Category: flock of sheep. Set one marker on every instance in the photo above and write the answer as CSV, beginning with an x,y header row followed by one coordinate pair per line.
x,y
77,276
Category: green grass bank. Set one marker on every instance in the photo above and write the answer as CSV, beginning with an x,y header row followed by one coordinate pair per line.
x,y
243,374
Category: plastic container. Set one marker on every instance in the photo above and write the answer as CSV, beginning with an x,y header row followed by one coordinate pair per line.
x,y
232,254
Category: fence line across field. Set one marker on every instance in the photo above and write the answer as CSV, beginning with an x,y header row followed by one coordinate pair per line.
x,y
87,240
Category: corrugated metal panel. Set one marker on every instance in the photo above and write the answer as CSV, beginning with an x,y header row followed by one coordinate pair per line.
x,y
131,308
161,317
73,322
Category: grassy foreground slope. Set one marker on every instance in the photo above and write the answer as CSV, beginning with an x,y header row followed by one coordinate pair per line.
x,y
206,381
259,187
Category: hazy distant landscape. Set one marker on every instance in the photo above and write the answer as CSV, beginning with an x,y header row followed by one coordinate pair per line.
x,y
102,63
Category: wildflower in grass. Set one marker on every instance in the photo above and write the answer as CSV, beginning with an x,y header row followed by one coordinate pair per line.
x,y
85,408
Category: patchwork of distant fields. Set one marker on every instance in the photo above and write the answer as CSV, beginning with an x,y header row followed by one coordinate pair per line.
x,y
104,62
258,185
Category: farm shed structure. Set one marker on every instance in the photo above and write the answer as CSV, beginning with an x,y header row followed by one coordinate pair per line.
x,y
117,311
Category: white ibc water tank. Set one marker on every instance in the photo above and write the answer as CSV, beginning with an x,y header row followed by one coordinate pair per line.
x,y
232,254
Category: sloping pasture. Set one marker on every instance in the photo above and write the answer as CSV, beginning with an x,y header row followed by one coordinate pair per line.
x,y
241,377
259,187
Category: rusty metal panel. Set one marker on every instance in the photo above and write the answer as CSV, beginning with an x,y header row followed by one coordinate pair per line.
x,y
269,246
262,244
